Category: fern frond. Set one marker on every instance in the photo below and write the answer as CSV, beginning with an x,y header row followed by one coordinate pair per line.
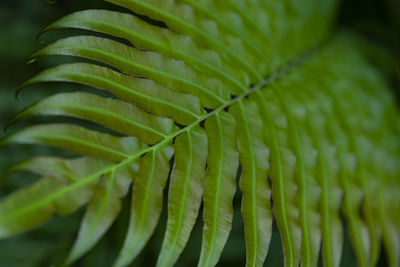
x,y
264,85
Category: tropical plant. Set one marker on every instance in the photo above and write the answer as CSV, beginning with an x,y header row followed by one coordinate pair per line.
x,y
203,92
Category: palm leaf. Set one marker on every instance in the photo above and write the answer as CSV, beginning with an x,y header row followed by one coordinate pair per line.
x,y
266,86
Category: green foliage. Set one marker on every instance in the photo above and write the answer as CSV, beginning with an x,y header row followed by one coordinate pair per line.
x,y
263,90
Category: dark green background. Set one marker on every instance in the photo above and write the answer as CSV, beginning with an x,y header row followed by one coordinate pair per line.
x,y
20,20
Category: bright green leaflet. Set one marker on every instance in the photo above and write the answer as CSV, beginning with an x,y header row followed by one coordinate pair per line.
x,y
254,156
185,191
146,202
220,186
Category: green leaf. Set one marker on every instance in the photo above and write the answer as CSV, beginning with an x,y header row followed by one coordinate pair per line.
x,y
168,13
34,204
149,37
350,126
146,94
256,206
63,191
102,210
146,203
302,108
308,188
351,203
77,139
283,163
61,168
208,11
105,111
220,186
157,67
327,170
185,191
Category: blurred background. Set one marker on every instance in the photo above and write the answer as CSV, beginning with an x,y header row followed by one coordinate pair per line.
x,y
20,21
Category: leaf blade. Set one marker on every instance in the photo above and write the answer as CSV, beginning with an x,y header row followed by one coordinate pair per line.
x,y
149,37
147,64
220,186
102,210
114,114
184,198
147,94
146,203
78,140
256,206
